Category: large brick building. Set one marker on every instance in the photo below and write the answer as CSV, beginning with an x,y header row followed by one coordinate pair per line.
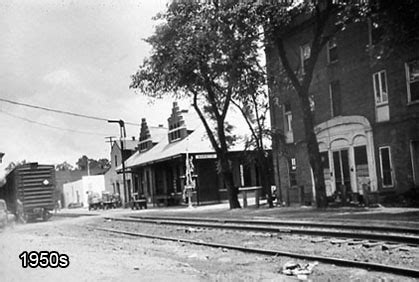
x,y
366,113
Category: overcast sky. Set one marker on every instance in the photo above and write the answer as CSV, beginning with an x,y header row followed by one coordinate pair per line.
x,y
75,56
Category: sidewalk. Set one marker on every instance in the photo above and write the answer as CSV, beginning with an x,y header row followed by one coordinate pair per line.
x,y
76,212
408,217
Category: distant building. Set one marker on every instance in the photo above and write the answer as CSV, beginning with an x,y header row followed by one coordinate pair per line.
x,y
66,176
366,114
113,179
76,192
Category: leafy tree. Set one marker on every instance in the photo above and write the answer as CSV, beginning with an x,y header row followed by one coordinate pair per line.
x,y
65,166
204,52
397,22
252,101
326,19
12,165
394,25
82,162
97,165
207,51
103,163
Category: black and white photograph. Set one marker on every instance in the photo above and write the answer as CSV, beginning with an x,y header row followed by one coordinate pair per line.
x,y
209,140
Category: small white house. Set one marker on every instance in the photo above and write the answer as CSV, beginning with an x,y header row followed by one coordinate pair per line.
x,y
77,192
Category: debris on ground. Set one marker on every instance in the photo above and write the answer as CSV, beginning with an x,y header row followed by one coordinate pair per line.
x,y
297,269
338,242
387,247
191,230
197,256
318,240
354,242
370,244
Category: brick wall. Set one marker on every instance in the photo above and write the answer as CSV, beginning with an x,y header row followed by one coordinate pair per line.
x,y
354,70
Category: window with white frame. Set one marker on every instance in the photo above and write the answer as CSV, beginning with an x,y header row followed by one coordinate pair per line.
x,y
380,87
288,117
175,130
175,135
412,77
305,53
332,50
386,166
145,145
293,171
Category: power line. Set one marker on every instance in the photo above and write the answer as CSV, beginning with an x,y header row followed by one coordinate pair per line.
x,y
51,126
61,111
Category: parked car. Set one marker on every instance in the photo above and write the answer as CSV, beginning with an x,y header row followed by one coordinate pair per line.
x,y
75,205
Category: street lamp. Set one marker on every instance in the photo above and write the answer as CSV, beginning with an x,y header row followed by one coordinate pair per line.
x,y
123,136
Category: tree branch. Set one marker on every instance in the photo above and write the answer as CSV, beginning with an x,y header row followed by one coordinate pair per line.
x,y
286,64
204,121
227,102
255,104
317,44
210,92
252,130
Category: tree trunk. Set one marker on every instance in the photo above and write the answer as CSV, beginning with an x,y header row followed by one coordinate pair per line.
x,y
227,176
302,89
273,70
232,190
313,151
221,150
265,177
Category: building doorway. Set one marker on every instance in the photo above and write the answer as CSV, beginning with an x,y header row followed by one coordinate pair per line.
x,y
342,174
361,169
347,152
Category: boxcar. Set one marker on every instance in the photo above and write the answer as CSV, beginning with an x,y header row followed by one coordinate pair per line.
x,y
29,191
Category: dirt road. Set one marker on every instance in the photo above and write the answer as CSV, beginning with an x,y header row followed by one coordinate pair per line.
x,y
99,256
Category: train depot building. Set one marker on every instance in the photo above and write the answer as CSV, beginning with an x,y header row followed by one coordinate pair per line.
x,y
158,166
366,112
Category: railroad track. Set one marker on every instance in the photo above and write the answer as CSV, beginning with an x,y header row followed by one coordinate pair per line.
x,y
336,261
384,234
340,225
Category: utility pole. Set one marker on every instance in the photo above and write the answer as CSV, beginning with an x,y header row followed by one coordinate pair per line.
x,y
123,136
110,140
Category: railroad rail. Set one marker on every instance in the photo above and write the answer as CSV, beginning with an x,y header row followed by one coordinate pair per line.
x,y
341,262
340,225
397,236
